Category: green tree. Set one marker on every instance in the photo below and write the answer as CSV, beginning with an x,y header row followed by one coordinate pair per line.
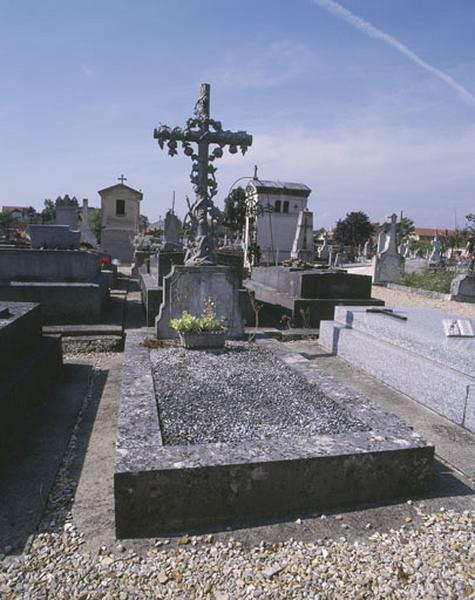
x,y
353,230
405,229
95,218
235,210
6,221
48,214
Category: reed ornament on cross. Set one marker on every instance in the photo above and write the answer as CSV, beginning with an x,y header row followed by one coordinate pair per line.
x,y
203,131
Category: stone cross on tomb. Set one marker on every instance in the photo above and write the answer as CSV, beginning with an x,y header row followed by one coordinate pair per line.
x,y
122,179
203,131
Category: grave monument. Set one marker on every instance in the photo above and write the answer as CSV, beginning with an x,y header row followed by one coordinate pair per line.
x,y
87,235
67,211
435,257
302,247
409,350
29,363
388,264
188,287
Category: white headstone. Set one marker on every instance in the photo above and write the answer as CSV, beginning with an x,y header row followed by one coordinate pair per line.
x,y
302,247
388,265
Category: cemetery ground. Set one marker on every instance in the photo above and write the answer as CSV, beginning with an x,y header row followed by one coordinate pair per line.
x,y
57,536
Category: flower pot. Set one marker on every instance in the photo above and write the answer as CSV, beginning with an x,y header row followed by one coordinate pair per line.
x,y
203,340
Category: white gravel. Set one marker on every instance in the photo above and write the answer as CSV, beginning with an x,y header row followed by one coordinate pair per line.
x,y
241,393
432,561
431,556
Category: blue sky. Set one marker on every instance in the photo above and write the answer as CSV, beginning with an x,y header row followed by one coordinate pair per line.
x,y
83,84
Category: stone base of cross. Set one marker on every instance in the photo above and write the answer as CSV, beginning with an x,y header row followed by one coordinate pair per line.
x,y
204,132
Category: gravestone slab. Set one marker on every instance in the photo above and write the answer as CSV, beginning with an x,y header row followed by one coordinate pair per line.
x,y
307,296
69,284
462,288
413,356
189,288
29,362
54,237
161,489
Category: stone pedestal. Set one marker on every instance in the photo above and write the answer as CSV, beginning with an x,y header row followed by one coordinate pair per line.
x,y
462,288
387,267
189,287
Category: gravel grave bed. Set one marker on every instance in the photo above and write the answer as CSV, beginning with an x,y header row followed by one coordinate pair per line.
x,y
241,393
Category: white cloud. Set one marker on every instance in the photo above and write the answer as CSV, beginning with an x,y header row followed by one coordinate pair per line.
x,y
368,29
377,171
280,63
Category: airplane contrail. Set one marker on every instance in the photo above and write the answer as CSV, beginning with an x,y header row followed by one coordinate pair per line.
x,y
358,23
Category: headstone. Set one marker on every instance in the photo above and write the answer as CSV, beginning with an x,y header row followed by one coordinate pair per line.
x,y
325,249
189,287
462,288
302,248
382,239
435,257
53,237
67,210
86,233
172,232
388,265
338,262
366,249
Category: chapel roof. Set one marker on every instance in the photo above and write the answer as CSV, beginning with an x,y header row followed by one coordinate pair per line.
x,y
280,187
121,186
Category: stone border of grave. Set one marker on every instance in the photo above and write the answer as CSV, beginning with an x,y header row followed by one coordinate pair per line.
x,y
162,489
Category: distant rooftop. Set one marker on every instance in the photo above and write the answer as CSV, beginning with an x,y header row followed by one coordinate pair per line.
x,y
280,187
431,232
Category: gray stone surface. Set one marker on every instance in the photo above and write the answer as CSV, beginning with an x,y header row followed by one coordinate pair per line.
x,y
69,284
87,235
172,231
388,264
161,488
118,244
190,287
413,356
462,288
20,330
67,210
302,247
306,296
54,237
29,363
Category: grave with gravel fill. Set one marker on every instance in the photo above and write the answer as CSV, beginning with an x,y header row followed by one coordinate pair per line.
x,y
211,438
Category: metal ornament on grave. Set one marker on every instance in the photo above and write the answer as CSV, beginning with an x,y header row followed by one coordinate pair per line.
x,y
203,131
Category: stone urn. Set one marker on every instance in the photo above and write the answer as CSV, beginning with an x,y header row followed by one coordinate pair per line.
x,y
202,340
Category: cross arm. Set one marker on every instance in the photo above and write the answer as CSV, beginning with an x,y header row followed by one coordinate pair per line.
x,y
164,133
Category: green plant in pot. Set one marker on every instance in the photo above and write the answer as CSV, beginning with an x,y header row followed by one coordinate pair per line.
x,y
206,331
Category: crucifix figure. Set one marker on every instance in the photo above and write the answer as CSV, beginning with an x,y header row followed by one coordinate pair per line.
x,y
122,179
203,131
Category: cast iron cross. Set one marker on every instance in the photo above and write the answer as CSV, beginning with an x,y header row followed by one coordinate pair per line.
x,y
122,179
203,131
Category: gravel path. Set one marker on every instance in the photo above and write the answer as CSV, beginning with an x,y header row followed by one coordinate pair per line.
x,y
433,561
399,298
241,393
431,556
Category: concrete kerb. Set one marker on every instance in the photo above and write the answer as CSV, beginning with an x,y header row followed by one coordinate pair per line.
x,y
167,489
